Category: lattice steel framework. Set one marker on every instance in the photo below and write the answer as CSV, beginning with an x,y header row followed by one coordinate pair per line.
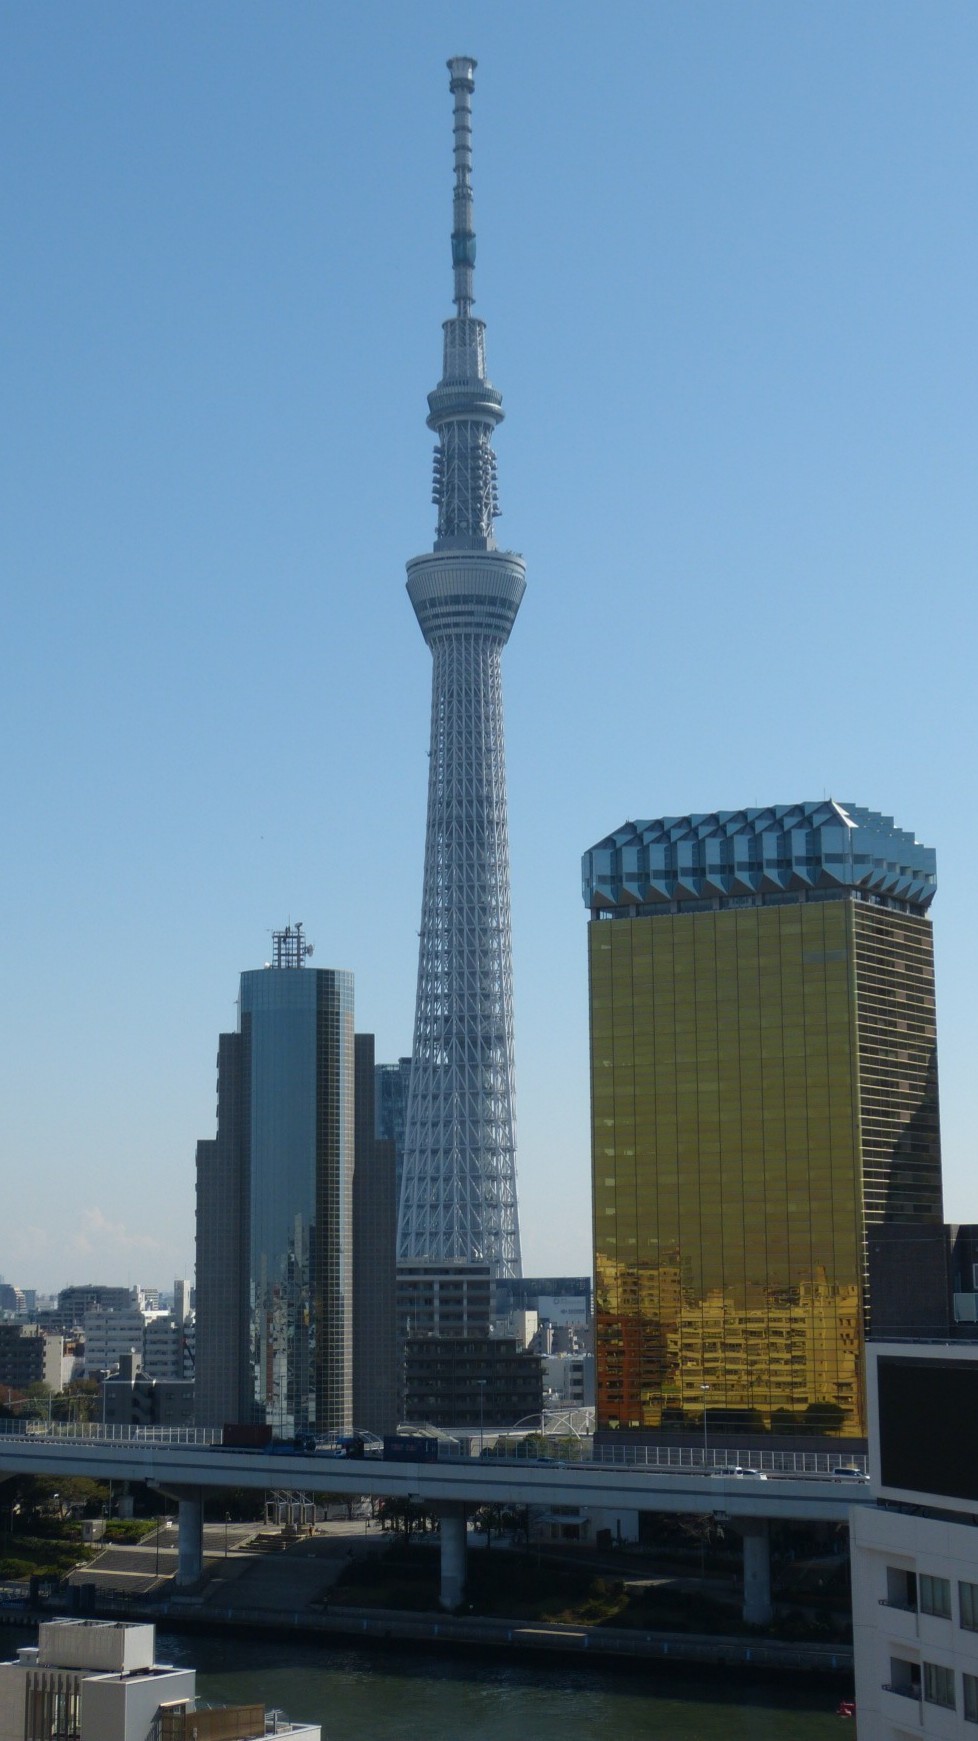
x,y
458,1191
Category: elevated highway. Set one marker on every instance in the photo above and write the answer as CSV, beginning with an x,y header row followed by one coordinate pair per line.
x,y
453,1487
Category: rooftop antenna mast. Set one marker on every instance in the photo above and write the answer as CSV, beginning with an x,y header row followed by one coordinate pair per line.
x,y
289,947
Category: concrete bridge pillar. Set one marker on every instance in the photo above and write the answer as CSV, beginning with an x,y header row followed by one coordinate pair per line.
x,y
190,1530
453,1551
190,1539
757,1571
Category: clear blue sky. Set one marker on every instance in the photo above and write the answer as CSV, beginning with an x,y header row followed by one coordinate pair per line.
x,y
727,254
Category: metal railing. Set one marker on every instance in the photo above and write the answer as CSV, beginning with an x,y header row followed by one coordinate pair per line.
x,y
691,1460
696,1461
96,1432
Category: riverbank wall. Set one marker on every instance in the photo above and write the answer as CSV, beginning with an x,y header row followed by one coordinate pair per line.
x,y
466,1632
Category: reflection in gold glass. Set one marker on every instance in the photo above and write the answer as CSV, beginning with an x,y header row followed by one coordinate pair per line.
x,y
763,1087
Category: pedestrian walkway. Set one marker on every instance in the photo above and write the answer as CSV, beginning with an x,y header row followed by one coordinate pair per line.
x,y
138,1568
295,1579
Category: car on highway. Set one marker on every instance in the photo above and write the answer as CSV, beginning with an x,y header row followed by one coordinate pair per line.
x,y
846,1472
735,1473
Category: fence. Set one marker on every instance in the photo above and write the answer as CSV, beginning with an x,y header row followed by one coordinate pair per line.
x,y
693,1458
123,1435
697,1460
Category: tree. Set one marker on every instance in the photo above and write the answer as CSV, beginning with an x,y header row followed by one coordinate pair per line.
x,y
79,1401
404,1516
489,1518
77,1492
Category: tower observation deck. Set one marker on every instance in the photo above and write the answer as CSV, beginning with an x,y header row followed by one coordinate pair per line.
x,y
458,1191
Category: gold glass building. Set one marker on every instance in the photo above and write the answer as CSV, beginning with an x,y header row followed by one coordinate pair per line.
x,y
764,1097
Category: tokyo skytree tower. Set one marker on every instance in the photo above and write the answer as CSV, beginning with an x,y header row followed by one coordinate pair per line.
x,y
458,1190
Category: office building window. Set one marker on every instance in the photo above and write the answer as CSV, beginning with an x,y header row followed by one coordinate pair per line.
x,y
968,1605
970,1684
935,1596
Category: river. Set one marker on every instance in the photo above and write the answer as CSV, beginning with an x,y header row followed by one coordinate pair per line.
x,y
401,1693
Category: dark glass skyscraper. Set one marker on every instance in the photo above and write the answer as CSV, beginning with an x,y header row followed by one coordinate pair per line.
x,y
765,1116
275,1205
376,1367
391,1085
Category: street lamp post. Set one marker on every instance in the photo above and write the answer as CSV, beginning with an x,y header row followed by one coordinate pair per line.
x,y
482,1409
706,1441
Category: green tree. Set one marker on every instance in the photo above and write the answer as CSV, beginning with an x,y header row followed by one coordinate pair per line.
x,y
404,1516
79,1401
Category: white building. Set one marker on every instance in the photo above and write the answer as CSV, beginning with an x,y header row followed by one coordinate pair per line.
x,y
96,1680
568,1380
166,1343
521,1326
91,1679
109,1335
915,1553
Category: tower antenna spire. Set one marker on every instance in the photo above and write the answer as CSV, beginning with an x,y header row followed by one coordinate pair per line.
x,y
465,407
462,70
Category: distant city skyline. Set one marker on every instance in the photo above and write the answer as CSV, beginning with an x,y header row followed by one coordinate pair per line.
x,y
731,298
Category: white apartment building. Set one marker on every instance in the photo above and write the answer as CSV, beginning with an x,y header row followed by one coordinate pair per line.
x,y
167,1342
110,1335
568,1380
96,1680
91,1679
161,1343
915,1553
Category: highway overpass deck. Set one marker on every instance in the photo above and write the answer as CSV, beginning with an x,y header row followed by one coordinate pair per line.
x,y
466,1481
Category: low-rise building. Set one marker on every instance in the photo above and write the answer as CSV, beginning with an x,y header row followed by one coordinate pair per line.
x,y
97,1680
29,1356
568,1380
135,1399
13,1301
472,1382
111,1333
521,1327
84,1297
444,1299
167,1346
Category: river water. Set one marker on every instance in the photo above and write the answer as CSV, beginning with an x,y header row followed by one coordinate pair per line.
x,y
401,1693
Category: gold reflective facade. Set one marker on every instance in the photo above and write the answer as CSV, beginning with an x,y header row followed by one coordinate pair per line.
x,y
763,1089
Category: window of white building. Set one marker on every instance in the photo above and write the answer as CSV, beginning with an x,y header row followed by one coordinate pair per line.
x,y
935,1596
939,1685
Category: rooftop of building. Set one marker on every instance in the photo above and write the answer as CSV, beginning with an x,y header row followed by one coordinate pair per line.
x,y
821,850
